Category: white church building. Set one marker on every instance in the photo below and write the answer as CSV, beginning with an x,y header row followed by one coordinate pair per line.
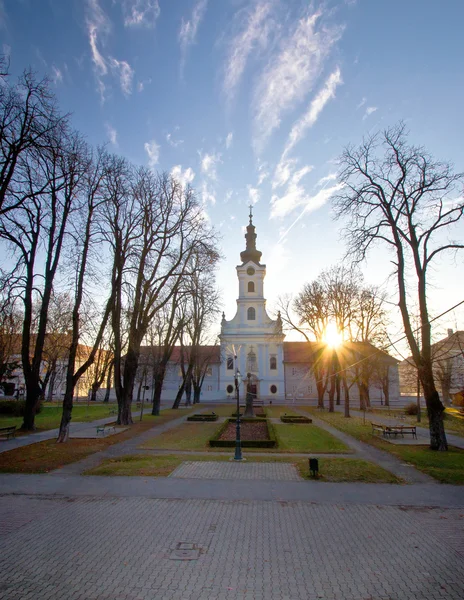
x,y
252,345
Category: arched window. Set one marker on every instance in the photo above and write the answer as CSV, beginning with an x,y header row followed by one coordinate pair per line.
x,y
251,286
251,314
273,363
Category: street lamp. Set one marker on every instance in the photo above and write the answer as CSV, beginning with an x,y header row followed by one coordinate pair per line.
x,y
238,443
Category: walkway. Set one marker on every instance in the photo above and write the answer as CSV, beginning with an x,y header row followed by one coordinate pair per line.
x,y
64,535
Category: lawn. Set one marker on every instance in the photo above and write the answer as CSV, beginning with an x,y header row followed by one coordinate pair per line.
x,y
46,456
446,467
274,412
330,469
188,436
307,438
50,416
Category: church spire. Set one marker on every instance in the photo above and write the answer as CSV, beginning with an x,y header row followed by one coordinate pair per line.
x,y
251,253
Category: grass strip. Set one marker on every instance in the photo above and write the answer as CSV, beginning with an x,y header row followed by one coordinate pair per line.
x,y
307,438
330,469
446,467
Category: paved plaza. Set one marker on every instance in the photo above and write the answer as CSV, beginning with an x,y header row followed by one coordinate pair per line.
x,y
228,531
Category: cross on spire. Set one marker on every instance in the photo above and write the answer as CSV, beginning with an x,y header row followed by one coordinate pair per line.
x,y
251,213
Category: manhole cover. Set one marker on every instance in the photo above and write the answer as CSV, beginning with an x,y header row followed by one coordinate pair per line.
x,y
185,551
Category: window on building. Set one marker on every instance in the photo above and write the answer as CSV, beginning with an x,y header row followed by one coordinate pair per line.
x,y
230,363
294,370
251,314
273,363
273,389
251,286
209,388
252,365
230,389
209,372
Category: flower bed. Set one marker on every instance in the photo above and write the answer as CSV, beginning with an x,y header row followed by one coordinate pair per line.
x,y
295,419
254,433
203,417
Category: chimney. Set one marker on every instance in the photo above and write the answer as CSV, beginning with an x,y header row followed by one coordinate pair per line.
x,y
450,332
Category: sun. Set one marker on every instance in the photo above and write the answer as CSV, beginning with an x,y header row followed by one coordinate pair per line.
x,y
332,336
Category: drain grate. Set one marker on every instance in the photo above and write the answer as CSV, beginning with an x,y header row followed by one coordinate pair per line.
x,y
185,551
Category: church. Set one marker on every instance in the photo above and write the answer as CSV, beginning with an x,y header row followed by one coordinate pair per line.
x,y
252,348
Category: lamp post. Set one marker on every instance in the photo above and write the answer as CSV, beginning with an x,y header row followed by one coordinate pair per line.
x,y
238,443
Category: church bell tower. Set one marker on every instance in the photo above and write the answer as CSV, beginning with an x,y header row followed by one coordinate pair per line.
x,y
252,336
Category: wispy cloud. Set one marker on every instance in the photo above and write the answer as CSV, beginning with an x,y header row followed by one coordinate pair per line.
x,y
327,179
112,134
254,33
124,71
209,163
314,110
185,177
188,30
362,103
97,24
140,13
207,194
292,74
153,151
172,142
369,111
312,204
253,194
294,196
57,75
98,27
229,139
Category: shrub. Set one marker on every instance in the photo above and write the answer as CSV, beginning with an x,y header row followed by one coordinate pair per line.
x,y
16,408
411,409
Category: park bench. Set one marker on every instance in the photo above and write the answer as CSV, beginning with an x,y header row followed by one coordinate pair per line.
x,y
8,432
104,429
394,429
378,427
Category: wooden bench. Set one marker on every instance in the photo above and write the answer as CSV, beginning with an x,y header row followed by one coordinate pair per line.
x,y
378,427
394,429
8,432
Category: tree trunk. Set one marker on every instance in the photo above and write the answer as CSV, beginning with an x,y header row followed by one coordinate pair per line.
x,y
346,391
188,392
66,416
337,384
51,385
33,397
157,389
435,410
108,385
196,394
320,393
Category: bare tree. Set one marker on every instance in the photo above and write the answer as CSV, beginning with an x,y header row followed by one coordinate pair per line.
x,y
168,229
29,121
397,195
46,199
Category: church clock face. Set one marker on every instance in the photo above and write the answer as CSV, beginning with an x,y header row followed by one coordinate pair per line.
x,y
250,271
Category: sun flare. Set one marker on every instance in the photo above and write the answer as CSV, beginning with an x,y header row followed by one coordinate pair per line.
x,y
332,336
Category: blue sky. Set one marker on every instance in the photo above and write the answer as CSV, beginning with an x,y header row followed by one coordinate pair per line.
x,y
252,101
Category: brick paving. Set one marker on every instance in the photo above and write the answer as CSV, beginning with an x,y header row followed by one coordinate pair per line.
x,y
153,549
231,470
